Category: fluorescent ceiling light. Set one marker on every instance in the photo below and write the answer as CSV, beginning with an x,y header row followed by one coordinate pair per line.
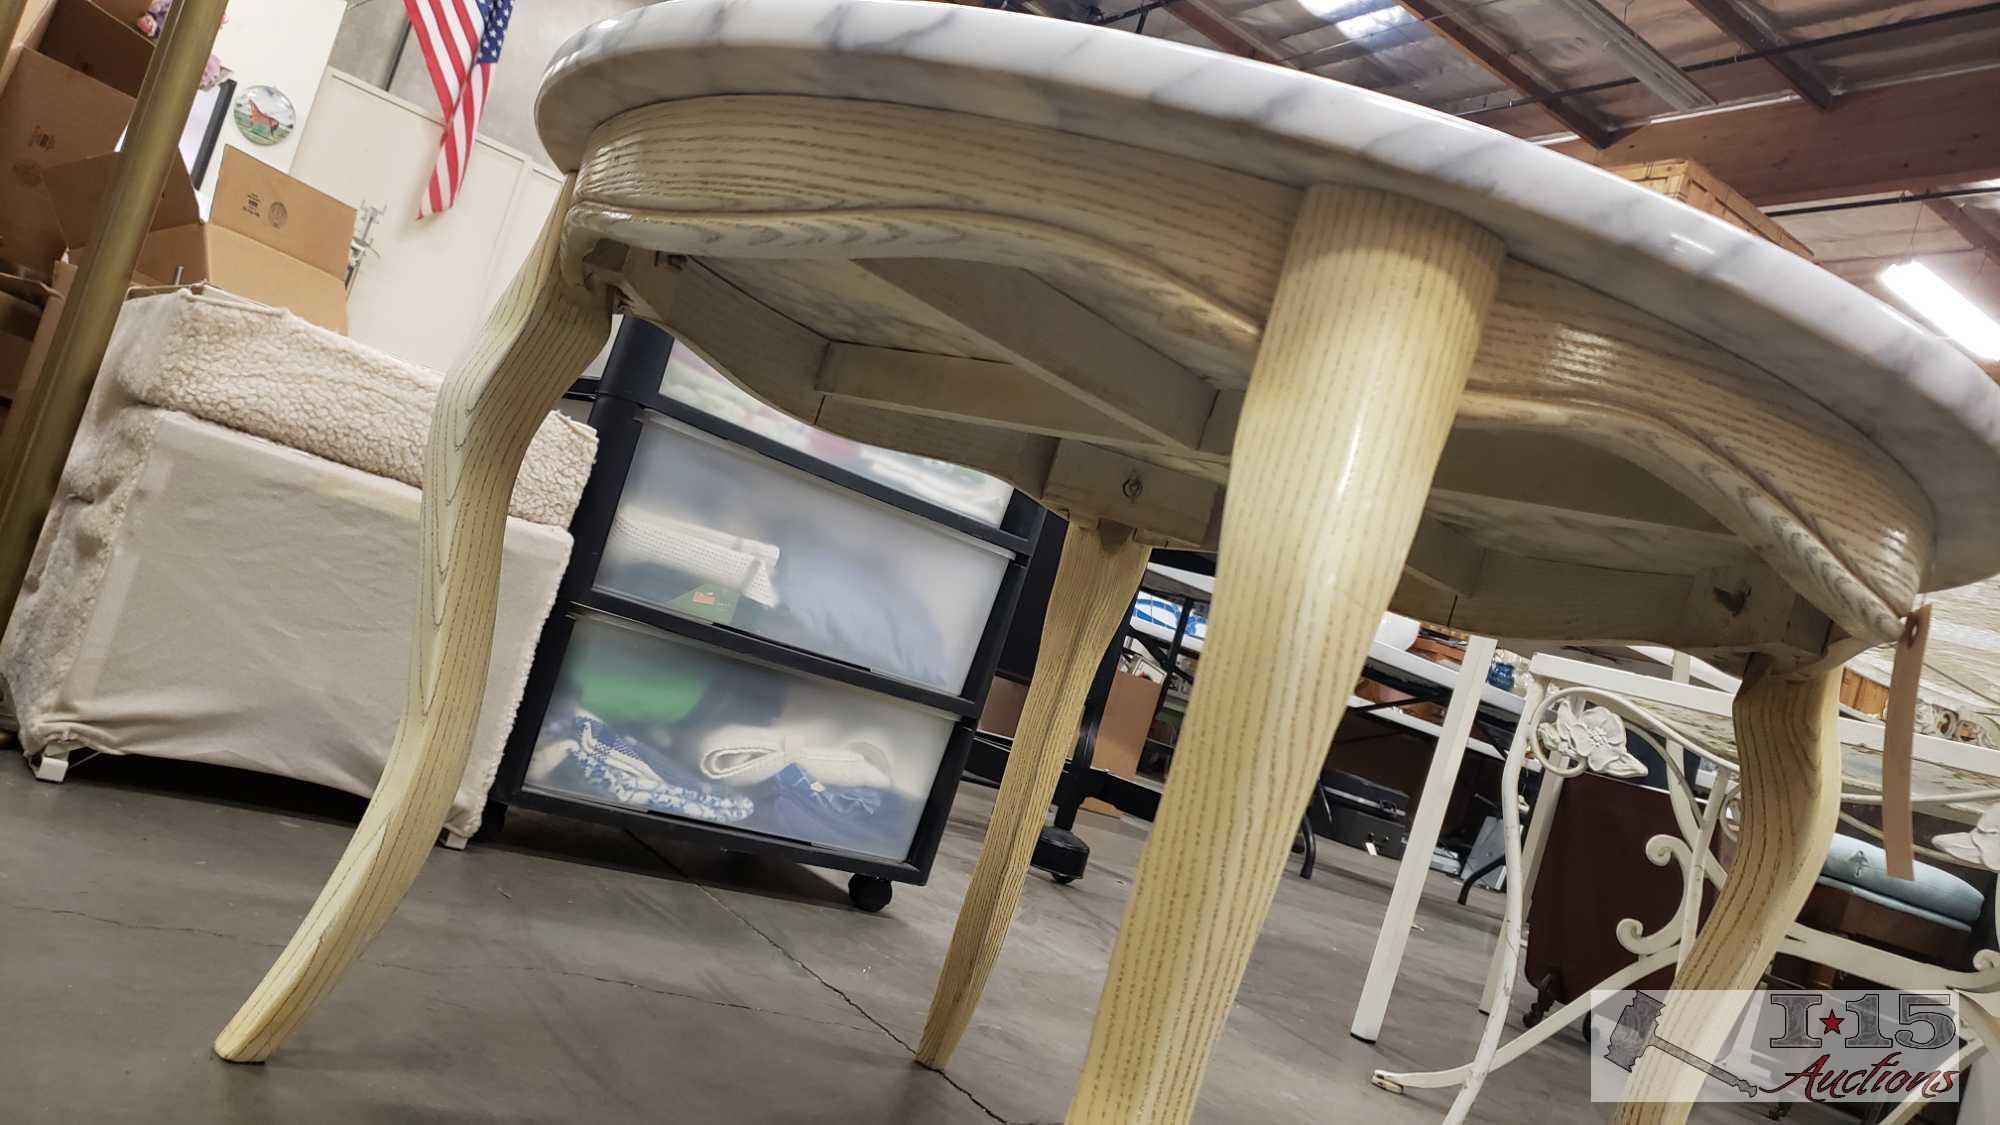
x,y
1372,23
1946,308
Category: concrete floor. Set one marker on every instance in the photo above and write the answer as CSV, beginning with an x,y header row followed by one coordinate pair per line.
x,y
572,972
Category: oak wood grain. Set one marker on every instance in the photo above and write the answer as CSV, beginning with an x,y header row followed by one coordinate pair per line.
x,y
1371,336
1177,506
770,356
730,178
1727,611
974,391
1550,531
1790,754
844,302
1177,265
535,341
1043,331
1095,580
1819,502
1442,557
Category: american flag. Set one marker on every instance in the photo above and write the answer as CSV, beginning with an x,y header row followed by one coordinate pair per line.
x,y
461,43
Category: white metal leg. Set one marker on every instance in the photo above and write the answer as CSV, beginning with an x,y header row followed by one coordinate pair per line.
x,y
1563,1017
1543,819
1539,824
1695,885
1510,930
1906,1111
1425,823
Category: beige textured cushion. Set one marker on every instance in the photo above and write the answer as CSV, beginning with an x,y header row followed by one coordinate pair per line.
x,y
265,372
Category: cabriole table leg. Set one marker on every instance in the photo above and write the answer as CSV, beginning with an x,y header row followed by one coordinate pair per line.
x,y
1098,574
1365,355
535,341
1787,742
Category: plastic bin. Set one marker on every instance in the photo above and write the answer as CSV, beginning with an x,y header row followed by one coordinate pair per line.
x,y
711,530
647,721
955,488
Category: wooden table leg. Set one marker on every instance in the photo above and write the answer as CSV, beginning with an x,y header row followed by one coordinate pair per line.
x,y
1786,738
536,340
1098,574
1370,338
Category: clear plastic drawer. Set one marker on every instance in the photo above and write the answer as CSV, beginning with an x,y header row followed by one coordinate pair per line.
x,y
651,722
714,531
955,488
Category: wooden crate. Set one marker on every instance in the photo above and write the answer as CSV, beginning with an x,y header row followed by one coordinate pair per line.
x,y
1863,694
1697,187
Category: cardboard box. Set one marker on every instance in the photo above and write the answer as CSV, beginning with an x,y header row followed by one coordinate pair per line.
x,y
52,297
1122,731
18,321
38,349
96,38
67,87
269,237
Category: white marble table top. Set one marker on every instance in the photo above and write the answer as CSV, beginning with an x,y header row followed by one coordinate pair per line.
x,y
1917,397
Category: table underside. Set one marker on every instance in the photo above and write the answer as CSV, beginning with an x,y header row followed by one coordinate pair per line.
x,y
992,293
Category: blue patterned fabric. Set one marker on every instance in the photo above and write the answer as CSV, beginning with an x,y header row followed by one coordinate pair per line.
x,y
627,771
598,760
858,818
847,802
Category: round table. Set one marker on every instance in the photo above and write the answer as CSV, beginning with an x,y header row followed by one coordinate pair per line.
x,y
1429,366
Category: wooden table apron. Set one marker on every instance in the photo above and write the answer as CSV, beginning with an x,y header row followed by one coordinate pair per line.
x,y
1403,415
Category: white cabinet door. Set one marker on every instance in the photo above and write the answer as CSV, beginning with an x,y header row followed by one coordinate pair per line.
x,y
422,290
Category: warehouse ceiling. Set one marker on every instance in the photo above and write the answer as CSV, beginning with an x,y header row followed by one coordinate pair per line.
x,y
1537,67
1801,105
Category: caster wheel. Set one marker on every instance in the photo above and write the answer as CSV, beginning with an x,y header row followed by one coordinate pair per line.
x,y
1063,880
868,893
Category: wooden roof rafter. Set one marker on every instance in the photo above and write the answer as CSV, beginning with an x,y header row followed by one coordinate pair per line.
x,y
1968,226
1232,38
1910,136
1750,27
1434,15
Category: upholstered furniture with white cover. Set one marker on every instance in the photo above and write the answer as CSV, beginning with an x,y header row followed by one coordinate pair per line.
x,y
224,576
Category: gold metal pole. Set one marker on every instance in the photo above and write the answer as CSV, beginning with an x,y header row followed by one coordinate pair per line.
x,y
32,454
10,22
